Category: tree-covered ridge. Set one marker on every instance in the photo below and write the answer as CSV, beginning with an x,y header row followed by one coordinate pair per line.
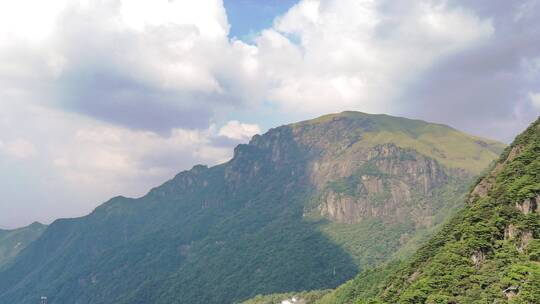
x,y
13,241
488,253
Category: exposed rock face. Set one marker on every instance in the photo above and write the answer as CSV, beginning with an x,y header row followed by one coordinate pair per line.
x,y
384,186
342,209
478,258
511,292
484,186
529,205
510,232
525,238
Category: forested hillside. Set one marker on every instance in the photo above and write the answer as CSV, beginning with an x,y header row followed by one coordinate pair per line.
x,y
13,241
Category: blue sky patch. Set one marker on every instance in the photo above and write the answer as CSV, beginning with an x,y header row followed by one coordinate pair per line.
x,y
248,17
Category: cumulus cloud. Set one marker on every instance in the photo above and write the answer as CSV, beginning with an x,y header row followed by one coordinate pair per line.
x,y
19,148
535,100
485,89
328,55
165,64
239,131
146,65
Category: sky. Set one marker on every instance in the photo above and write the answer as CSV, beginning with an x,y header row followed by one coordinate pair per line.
x,y
100,98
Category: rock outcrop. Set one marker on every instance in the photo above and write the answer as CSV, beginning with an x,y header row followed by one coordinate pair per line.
x,y
392,184
529,205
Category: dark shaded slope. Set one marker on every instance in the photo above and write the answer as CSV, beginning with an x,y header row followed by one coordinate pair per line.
x,y
207,236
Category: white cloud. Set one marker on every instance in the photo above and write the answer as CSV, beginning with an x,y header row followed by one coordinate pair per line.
x,y
353,55
19,149
239,131
172,60
28,20
168,59
72,163
535,99
207,16
106,154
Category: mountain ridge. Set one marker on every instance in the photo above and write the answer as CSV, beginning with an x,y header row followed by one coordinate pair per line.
x,y
255,223
12,241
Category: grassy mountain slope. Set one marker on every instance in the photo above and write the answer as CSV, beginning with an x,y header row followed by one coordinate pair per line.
x,y
13,241
304,206
450,147
488,253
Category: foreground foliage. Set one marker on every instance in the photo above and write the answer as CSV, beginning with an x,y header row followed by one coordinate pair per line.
x,y
304,297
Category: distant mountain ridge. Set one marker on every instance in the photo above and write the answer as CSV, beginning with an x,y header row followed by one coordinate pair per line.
x,y
304,206
12,241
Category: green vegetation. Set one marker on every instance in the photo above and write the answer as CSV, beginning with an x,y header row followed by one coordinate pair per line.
x,y
488,253
13,241
373,241
448,146
352,184
307,296
254,225
364,285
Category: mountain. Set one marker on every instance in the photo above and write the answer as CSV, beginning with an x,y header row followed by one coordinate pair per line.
x,y
489,252
13,241
305,206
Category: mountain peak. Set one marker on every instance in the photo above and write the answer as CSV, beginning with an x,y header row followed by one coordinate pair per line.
x,y
356,115
357,130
